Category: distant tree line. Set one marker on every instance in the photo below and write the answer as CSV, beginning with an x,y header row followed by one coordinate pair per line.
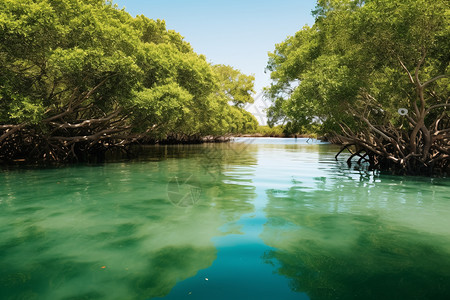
x,y
80,77
372,74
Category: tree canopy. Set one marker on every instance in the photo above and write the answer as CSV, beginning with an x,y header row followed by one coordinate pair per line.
x,y
83,76
350,74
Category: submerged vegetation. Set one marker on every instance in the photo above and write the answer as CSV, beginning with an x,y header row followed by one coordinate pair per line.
x,y
78,78
374,75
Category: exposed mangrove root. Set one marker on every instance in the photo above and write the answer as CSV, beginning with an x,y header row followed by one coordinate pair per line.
x,y
418,145
344,147
388,149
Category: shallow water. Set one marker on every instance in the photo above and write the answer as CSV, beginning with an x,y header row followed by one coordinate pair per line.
x,y
256,219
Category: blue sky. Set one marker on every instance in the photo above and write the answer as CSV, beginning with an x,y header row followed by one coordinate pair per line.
x,y
233,32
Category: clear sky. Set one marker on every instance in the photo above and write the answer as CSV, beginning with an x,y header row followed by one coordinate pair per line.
x,y
239,33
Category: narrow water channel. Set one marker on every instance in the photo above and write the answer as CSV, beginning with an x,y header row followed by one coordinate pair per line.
x,y
255,219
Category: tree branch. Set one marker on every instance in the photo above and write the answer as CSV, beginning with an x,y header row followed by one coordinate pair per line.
x,y
433,79
101,134
411,120
11,131
406,69
419,64
441,131
436,106
87,122
375,129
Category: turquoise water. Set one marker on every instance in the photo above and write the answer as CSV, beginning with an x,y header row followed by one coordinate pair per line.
x,y
256,219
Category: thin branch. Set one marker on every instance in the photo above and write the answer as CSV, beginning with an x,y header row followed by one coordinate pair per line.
x,y
101,134
363,143
407,71
11,131
96,87
86,122
439,158
436,106
441,131
375,129
410,119
434,79
64,113
443,150
342,149
419,64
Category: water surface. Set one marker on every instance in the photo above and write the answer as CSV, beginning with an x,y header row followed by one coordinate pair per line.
x,y
256,219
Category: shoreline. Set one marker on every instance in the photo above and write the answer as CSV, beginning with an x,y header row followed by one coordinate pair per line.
x,y
259,135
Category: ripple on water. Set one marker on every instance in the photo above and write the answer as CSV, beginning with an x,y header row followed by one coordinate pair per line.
x,y
277,219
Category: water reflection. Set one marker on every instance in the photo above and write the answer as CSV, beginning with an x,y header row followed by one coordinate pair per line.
x,y
112,231
260,221
353,235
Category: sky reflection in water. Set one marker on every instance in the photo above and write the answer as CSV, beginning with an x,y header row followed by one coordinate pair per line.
x,y
263,219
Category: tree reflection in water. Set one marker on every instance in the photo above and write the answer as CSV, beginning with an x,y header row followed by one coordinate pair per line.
x,y
334,241
110,231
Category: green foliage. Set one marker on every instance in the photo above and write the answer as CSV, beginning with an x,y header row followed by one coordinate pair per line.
x,y
66,63
241,120
276,131
53,49
349,62
288,130
165,104
237,87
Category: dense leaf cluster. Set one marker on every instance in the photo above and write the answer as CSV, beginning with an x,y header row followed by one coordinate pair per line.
x,y
83,76
350,73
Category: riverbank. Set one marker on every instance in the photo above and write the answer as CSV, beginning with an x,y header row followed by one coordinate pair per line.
x,y
257,135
